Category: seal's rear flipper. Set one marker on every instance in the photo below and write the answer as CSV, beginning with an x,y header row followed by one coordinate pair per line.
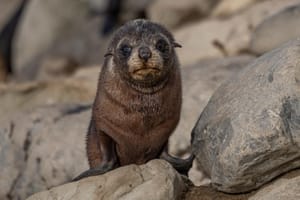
x,y
96,171
181,165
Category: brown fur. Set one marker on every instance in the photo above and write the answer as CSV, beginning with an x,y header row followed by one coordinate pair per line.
x,y
140,124
138,100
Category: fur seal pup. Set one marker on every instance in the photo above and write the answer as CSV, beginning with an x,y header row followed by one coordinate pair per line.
x,y
138,100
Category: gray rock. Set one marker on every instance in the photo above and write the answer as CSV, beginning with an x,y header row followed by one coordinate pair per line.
x,y
276,30
199,81
227,8
41,149
17,98
173,14
55,67
287,188
98,5
204,40
56,28
249,132
7,8
40,142
156,180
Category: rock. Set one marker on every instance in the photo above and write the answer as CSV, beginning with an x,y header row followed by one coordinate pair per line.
x,y
42,148
98,5
49,28
129,10
287,188
172,14
19,97
249,132
7,8
208,193
227,8
203,40
132,9
34,155
276,30
199,83
55,67
154,180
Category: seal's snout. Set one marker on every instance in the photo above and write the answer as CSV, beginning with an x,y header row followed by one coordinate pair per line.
x,y
144,53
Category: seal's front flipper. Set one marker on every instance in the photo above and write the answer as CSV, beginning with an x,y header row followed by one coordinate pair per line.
x,y
96,171
181,165
101,152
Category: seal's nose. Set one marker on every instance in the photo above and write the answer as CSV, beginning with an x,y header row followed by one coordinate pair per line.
x,y
144,53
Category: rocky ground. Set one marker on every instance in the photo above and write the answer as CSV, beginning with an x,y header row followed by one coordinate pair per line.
x,y
241,102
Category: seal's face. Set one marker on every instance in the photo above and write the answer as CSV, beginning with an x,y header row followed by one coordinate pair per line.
x,y
144,53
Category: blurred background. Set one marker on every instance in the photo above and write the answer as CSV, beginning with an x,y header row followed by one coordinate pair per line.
x,y
51,52
51,38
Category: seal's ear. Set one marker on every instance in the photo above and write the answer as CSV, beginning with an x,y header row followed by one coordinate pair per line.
x,y
175,45
109,52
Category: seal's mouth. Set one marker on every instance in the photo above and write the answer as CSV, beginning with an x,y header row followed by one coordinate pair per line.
x,y
145,71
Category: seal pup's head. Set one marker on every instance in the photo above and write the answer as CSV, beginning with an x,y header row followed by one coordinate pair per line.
x,y
143,53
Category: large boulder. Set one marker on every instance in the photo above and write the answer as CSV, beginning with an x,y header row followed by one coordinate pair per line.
x,y
155,180
42,131
199,82
42,148
203,39
249,132
276,30
50,31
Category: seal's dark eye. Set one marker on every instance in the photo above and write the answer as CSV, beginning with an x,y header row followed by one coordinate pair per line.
x,y
162,46
125,50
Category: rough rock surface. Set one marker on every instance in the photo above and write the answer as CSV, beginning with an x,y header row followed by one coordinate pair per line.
x,y
155,180
286,187
173,14
19,97
203,39
226,8
199,82
249,132
33,153
276,30
41,149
